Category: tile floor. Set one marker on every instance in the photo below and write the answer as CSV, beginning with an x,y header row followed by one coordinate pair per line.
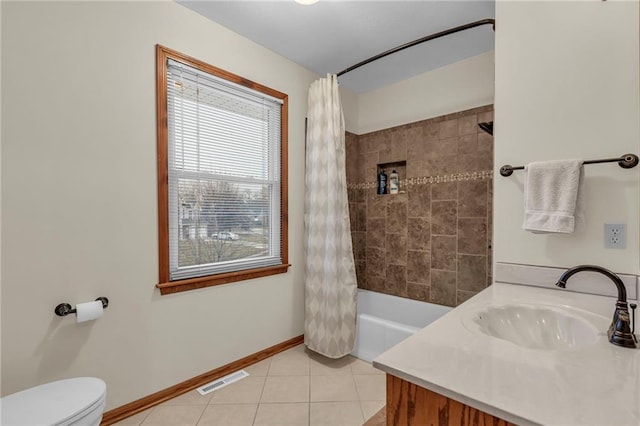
x,y
295,388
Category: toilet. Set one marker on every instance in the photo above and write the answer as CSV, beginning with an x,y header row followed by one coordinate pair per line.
x,y
79,401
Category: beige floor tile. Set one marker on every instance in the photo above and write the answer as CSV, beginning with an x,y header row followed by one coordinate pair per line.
x,y
189,398
174,415
136,419
229,415
370,408
371,387
346,391
333,388
299,348
286,389
321,366
260,368
294,362
359,366
282,414
335,414
244,391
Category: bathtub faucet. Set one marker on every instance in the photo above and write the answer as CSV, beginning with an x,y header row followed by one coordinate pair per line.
x,y
620,332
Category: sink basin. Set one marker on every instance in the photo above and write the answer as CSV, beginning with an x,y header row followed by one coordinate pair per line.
x,y
538,327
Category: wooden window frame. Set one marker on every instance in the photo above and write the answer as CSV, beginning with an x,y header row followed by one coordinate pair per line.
x,y
165,285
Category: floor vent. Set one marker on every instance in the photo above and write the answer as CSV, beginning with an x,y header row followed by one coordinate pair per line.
x,y
220,383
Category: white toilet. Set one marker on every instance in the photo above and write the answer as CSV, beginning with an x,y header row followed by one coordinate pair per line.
x,y
79,401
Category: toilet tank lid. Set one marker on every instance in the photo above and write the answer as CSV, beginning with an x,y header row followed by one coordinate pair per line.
x,y
51,403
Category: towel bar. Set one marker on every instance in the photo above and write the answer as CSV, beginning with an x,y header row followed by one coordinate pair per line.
x,y
627,161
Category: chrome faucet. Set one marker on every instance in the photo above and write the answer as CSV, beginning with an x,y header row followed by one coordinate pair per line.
x,y
620,332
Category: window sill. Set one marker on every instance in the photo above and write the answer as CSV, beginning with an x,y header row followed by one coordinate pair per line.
x,y
209,281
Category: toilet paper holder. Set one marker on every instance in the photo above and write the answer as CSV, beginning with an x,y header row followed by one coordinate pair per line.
x,y
64,309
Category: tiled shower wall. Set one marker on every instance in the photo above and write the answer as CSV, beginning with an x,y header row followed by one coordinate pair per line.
x,y
432,241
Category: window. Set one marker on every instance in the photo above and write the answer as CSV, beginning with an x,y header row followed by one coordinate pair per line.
x,y
222,181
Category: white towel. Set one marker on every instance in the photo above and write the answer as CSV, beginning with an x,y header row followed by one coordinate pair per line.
x,y
553,196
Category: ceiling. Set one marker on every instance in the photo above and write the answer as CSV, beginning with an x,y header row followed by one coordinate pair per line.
x,y
332,35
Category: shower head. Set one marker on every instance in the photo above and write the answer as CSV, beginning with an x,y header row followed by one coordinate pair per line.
x,y
487,127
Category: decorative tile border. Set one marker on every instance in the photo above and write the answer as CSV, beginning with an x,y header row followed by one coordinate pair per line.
x,y
455,177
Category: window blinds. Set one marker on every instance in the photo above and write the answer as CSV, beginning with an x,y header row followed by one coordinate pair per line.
x,y
224,175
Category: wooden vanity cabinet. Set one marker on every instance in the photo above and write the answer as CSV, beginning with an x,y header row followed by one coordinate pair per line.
x,y
412,405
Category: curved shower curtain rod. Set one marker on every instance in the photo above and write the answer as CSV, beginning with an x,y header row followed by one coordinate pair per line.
x,y
421,40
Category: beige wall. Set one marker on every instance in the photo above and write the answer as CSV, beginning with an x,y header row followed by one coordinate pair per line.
x,y
460,86
79,201
349,102
567,87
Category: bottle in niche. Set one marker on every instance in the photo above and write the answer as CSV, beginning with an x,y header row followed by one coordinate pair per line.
x,y
394,183
382,182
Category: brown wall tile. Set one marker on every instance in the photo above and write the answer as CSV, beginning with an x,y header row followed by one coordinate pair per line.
x,y
432,243
359,241
376,233
472,198
371,160
485,160
419,233
418,266
376,283
444,191
397,213
485,142
443,287
472,236
467,144
472,272
463,296
443,217
417,167
440,148
384,156
361,216
376,205
462,163
376,263
448,129
413,133
430,129
396,249
416,149
353,216
397,280
485,116
374,142
419,201
361,273
399,148
417,291
467,124
443,252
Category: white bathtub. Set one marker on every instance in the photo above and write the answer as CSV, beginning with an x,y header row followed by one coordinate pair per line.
x,y
385,320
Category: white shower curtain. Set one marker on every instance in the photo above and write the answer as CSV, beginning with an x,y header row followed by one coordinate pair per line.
x,y
329,273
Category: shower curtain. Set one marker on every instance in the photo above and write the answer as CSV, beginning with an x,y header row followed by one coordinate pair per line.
x,y
329,273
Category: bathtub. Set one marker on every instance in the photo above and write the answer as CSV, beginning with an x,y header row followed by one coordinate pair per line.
x,y
384,321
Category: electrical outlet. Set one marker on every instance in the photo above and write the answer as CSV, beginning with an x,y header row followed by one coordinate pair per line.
x,y
615,235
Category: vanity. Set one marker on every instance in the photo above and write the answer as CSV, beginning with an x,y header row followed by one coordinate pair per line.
x,y
518,354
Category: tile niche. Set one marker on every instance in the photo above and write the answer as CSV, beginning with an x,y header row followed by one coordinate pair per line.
x,y
432,241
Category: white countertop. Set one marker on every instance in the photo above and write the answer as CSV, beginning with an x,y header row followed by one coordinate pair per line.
x,y
595,385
